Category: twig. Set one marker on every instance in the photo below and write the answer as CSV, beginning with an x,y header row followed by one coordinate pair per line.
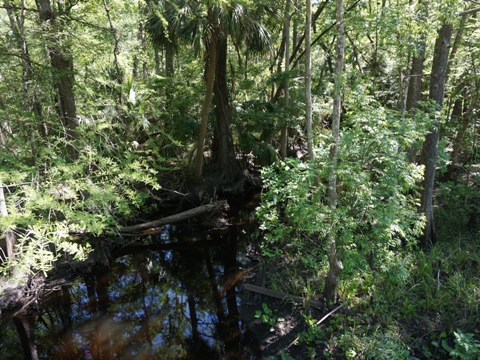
x,y
319,322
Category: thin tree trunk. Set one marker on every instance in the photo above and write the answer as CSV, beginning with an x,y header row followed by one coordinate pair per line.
x,y
286,35
414,92
210,64
295,57
430,147
116,64
415,81
295,36
308,80
335,264
10,239
17,25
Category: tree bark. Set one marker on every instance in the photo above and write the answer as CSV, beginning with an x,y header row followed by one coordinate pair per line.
x,y
308,79
414,92
210,62
286,36
335,264
223,151
10,239
201,210
415,84
429,153
62,64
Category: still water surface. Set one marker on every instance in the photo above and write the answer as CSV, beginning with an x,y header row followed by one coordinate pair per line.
x,y
149,304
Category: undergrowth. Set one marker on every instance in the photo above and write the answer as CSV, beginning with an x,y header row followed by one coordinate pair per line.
x,y
412,304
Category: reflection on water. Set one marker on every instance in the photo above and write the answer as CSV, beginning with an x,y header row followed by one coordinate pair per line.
x,y
154,304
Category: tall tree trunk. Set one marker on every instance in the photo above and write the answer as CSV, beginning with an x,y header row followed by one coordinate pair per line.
x,y
308,79
286,36
430,147
335,264
223,151
210,62
62,64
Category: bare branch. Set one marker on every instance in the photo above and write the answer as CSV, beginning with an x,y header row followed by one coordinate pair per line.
x,y
471,11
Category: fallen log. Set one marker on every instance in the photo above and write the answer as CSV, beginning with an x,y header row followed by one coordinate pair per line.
x,y
185,215
283,296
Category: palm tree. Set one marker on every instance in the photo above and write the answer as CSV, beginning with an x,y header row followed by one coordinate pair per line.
x,y
163,32
208,29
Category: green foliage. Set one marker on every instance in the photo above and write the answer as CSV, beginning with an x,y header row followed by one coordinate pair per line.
x,y
377,344
266,315
94,195
314,335
463,197
466,346
377,191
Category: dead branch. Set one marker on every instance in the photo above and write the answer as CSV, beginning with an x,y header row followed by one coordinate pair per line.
x,y
185,215
282,296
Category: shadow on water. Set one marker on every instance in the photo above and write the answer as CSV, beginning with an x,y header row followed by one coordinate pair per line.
x,y
150,304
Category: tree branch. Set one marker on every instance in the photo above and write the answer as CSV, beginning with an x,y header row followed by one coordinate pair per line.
x,y
471,11
14,7
201,210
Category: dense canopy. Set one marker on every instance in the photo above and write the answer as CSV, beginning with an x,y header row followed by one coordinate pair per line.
x,y
359,118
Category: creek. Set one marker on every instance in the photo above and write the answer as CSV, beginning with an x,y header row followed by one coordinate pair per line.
x,y
181,303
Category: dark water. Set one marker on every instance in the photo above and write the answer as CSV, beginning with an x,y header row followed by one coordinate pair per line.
x,y
150,304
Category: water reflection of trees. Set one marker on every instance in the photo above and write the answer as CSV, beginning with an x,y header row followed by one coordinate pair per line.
x,y
149,305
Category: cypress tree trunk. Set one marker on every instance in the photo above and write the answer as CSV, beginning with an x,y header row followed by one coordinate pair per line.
x,y
223,151
210,62
334,262
430,147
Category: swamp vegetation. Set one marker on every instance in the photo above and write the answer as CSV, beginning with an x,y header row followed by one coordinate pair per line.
x,y
352,124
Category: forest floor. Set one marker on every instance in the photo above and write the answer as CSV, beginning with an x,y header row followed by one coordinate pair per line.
x,y
280,336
